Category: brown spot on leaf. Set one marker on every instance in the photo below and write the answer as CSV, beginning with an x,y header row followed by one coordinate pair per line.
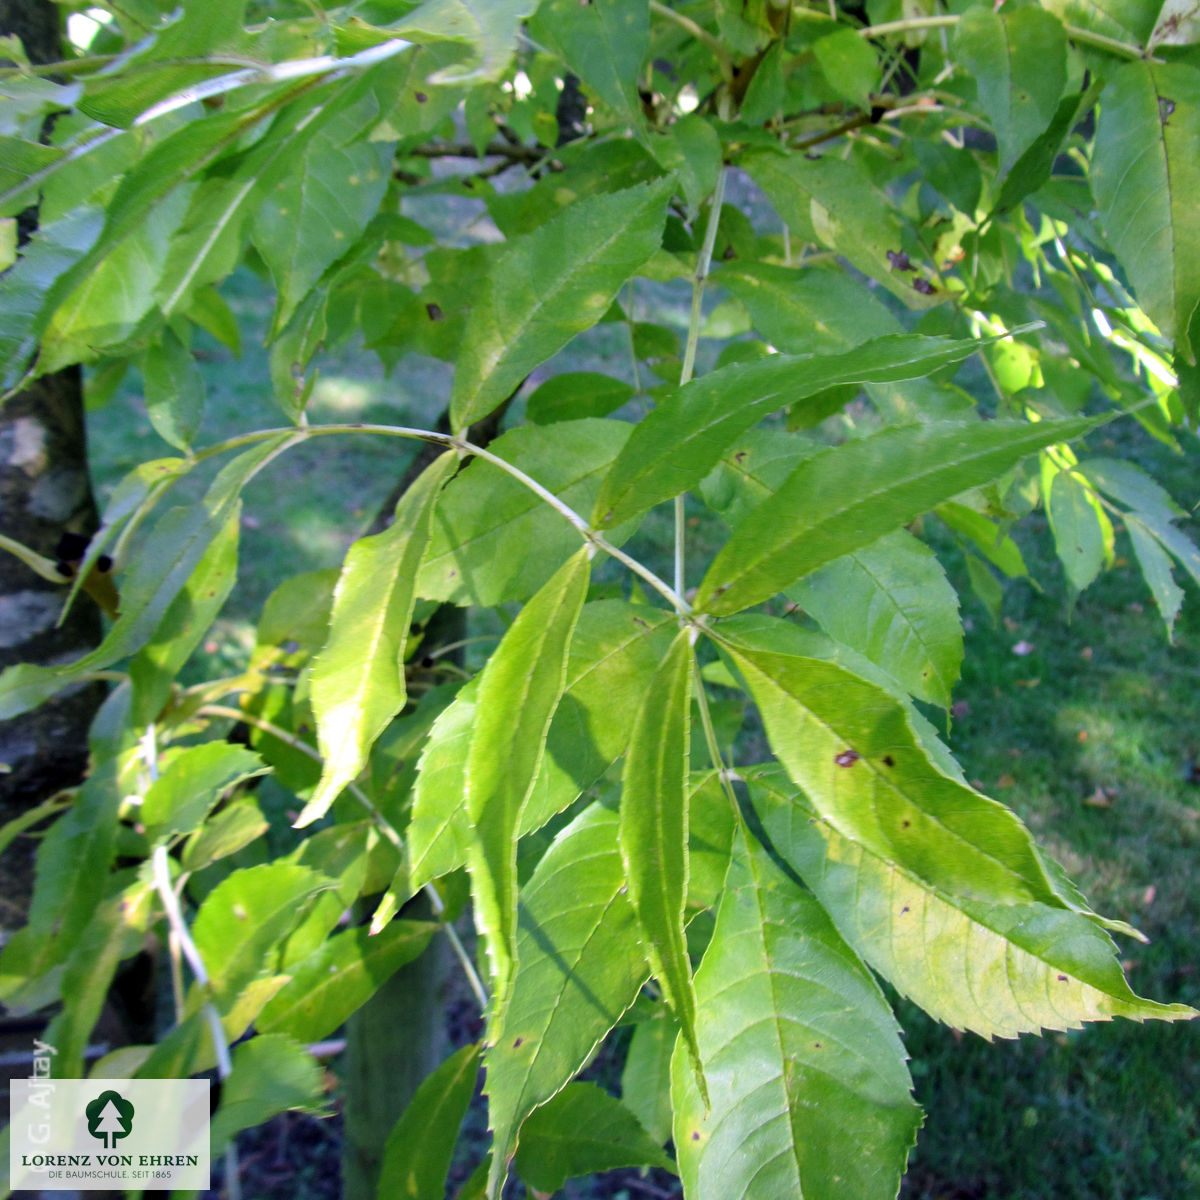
x,y
435,312
888,761
847,758
517,1042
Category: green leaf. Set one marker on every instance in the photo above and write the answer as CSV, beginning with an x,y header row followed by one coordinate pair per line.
x,y
692,150
810,1091
340,977
549,286
271,1074
244,916
493,539
850,495
416,1159
1156,568
580,966
519,690
231,829
70,881
1082,532
357,679
992,965
185,622
990,539
111,301
492,27
160,571
808,311
61,254
752,468
316,213
581,1131
1019,62
190,785
837,203
11,830
604,44
1124,20
576,394
849,65
134,494
646,1076
851,748
677,444
777,635
174,390
615,651
1130,485
116,930
212,313
892,602
653,832
1145,177
1035,165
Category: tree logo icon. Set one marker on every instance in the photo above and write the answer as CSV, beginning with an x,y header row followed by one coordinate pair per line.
x,y
109,1117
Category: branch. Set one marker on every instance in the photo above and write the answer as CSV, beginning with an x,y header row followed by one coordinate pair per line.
x,y
591,536
1074,33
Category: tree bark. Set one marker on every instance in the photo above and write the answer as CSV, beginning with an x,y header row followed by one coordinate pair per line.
x,y
45,491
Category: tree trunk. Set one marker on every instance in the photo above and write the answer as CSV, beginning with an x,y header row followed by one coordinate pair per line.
x,y
45,491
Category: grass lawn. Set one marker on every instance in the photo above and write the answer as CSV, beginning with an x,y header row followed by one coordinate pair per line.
x,y
1092,737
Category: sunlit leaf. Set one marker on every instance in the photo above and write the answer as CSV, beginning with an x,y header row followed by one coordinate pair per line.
x,y
340,977
357,679
997,967
519,690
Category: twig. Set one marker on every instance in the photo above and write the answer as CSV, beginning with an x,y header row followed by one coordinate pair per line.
x,y
162,881
689,353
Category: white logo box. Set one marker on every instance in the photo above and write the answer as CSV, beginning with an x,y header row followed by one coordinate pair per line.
x,y
82,1134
